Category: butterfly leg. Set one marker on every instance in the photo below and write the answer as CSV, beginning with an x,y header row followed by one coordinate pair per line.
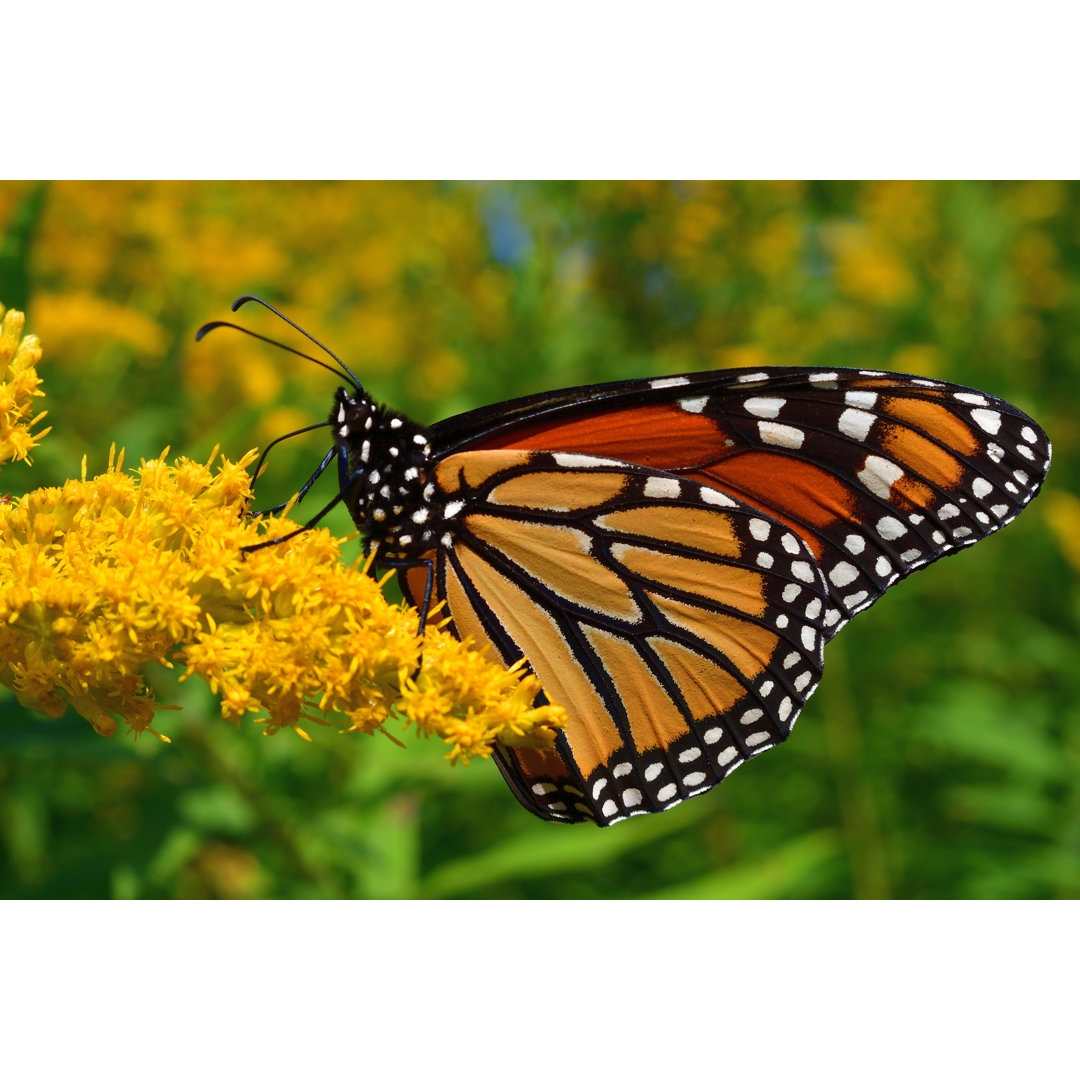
x,y
347,481
410,564
343,473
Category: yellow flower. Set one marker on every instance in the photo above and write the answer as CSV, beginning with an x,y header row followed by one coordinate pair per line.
x,y
19,384
107,575
103,577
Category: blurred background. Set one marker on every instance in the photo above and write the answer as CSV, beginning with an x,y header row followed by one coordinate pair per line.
x,y
941,755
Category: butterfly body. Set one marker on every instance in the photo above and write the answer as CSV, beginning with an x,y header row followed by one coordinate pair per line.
x,y
670,555
386,458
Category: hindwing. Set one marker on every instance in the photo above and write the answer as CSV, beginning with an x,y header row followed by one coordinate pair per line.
x,y
680,628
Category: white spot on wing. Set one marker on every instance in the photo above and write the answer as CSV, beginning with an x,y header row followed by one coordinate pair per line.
x,y
843,573
856,424
758,376
981,487
582,461
660,384
694,405
879,475
987,419
789,438
863,399
662,487
717,498
890,528
769,407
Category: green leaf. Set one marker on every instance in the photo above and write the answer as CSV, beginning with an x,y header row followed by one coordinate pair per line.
x,y
773,876
554,849
15,249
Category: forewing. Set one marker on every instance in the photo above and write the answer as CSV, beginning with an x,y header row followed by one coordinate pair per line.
x,y
681,629
878,473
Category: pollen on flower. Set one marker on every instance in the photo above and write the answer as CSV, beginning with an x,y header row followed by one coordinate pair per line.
x,y
19,384
112,574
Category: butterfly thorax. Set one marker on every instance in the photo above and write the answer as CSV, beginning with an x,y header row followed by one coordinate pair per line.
x,y
390,459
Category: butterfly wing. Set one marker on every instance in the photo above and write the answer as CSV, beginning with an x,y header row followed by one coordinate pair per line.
x,y
878,473
681,629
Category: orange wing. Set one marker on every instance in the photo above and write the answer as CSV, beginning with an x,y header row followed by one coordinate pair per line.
x,y
879,474
681,629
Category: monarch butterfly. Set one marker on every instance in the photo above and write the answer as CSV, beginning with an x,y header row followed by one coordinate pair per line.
x,y
671,555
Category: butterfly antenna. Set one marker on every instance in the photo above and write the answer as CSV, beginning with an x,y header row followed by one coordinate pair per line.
x,y
241,300
207,327
281,438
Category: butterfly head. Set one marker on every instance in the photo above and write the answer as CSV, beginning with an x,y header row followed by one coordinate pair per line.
x,y
389,459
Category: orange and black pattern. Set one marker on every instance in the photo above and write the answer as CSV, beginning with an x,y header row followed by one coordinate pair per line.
x,y
670,555
879,473
680,629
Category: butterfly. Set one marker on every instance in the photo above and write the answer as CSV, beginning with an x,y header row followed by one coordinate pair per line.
x,y
671,555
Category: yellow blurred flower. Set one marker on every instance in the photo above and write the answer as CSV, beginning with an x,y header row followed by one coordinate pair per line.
x,y
1040,279
742,356
775,247
19,384
866,266
918,360
1062,511
71,322
900,209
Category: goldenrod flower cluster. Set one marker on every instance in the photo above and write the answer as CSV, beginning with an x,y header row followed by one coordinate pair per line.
x,y
105,576
19,384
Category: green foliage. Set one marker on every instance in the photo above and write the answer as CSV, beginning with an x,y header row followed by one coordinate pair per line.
x,y
941,756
